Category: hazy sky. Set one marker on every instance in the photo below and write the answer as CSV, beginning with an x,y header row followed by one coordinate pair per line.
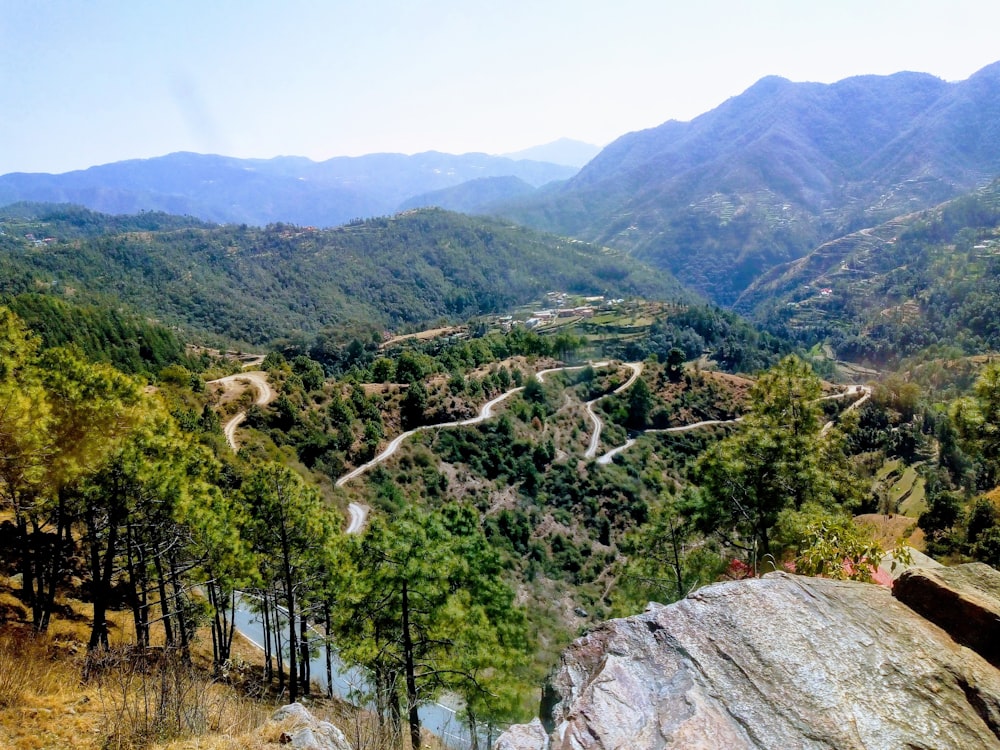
x,y
86,82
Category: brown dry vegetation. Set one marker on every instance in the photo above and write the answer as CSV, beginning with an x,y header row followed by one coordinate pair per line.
x,y
892,529
127,702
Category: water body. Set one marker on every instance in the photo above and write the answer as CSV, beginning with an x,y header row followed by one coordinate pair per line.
x,y
351,684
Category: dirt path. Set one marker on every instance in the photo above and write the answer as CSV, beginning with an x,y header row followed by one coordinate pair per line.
x,y
486,412
357,518
595,436
234,385
851,390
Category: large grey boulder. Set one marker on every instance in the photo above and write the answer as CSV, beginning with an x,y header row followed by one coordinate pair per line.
x,y
964,600
305,732
778,662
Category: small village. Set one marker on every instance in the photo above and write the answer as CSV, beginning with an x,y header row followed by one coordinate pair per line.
x,y
561,307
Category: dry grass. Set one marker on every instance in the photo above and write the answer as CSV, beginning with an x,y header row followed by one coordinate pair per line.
x,y
893,529
43,703
131,702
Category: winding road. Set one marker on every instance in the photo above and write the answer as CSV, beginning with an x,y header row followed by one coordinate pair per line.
x,y
358,514
486,412
851,390
265,395
595,436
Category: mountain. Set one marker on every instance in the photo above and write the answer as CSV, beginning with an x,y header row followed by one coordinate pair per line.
x,y
255,285
926,279
260,191
474,196
564,151
774,172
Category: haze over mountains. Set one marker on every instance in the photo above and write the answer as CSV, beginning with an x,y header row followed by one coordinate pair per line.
x,y
261,191
762,179
777,170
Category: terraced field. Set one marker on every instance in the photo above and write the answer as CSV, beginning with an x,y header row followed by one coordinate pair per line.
x,y
903,489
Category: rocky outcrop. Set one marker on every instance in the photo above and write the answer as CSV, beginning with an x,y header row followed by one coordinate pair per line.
x,y
778,662
964,600
305,732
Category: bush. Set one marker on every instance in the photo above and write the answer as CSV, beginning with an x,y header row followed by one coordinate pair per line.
x,y
149,698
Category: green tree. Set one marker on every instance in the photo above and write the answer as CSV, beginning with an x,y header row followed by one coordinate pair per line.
x,y
310,371
776,460
94,409
977,417
286,525
640,402
414,403
426,610
832,545
675,364
661,563
383,370
26,442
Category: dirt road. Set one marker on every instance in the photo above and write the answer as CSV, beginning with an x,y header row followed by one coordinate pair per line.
x,y
234,385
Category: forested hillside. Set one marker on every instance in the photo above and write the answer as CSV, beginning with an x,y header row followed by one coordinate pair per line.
x,y
925,283
253,285
770,174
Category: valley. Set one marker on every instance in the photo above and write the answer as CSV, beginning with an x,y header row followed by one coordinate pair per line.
x,y
436,447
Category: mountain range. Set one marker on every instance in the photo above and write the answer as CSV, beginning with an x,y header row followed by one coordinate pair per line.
x,y
772,173
262,191
761,180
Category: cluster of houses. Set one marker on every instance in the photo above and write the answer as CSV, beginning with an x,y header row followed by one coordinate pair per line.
x,y
558,302
544,316
39,242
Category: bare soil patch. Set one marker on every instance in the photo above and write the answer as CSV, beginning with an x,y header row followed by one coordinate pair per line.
x,y
892,529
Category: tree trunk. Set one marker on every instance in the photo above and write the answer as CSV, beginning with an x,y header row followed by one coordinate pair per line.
x,y
53,568
182,625
277,645
329,650
136,563
395,715
305,668
266,618
473,734
27,559
213,598
161,586
102,571
293,646
411,679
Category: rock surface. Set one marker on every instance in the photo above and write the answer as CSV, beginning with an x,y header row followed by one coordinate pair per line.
x,y
778,662
894,568
305,732
964,600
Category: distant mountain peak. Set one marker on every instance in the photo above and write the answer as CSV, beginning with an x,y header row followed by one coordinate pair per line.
x,y
777,170
564,151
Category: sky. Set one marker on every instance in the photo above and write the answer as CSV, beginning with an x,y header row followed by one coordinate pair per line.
x,y
85,82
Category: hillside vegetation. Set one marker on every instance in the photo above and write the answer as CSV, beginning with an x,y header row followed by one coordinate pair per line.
x,y
922,284
255,285
770,174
